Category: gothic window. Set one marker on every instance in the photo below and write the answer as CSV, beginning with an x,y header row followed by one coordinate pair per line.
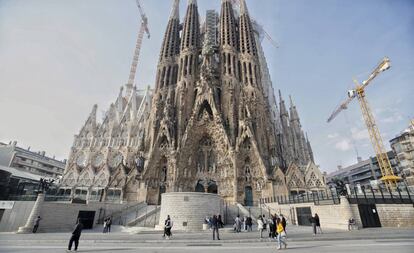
x,y
246,145
163,142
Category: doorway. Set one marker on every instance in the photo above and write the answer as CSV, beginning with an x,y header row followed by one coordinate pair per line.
x,y
161,191
87,218
304,214
369,215
248,196
212,187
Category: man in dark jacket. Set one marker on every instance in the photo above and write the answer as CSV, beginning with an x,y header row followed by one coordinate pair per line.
x,y
215,225
75,235
36,224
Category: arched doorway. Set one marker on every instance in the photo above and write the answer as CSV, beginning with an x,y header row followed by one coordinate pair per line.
x,y
248,196
199,187
212,187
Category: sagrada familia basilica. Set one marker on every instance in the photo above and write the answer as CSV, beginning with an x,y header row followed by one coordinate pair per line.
x,y
212,123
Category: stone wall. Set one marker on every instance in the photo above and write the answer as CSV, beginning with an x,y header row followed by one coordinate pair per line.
x,y
331,216
60,217
14,218
56,216
189,209
395,215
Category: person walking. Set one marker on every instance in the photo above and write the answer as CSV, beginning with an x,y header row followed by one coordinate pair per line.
x,y
215,225
317,224
249,223
270,227
312,220
75,235
281,234
283,223
238,224
105,227
260,226
167,227
108,225
36,224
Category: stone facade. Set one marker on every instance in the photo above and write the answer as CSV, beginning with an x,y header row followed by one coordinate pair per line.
x,y
189,209
212,125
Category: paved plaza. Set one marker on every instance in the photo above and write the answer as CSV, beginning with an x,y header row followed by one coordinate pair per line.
x,y
300,239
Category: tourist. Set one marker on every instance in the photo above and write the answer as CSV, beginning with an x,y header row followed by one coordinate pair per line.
x,y
281,234
260,225
238,223
105,227
167,227
312,220
317,224
36,224
221,223
244,223
351,223
108,225
270,227
283,223
76,235
249,223
215,225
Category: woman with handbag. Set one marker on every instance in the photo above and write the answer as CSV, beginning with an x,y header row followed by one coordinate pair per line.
x,y
281,234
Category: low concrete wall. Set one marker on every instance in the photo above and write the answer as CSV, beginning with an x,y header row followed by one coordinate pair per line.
x,y
396,215
59,217
331,216
14,218
56,216
189,209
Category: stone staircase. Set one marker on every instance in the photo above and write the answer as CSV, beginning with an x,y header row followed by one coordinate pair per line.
x,y
148,216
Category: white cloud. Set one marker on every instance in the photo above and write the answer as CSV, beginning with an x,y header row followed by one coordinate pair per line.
x,y
359,134
343,145
333,135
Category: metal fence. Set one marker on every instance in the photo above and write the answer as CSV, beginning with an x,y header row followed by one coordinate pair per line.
x,y
356,195
380,196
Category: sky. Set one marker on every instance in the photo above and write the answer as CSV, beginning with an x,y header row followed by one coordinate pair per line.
x,y
59,58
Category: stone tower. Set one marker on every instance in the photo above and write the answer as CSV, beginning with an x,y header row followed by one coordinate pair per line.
x,y
212,125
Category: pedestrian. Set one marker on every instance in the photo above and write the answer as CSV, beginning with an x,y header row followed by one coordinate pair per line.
x,y
76,235
283,223
108,225
317,224
244,223
36,224
312,220
221,223
281,234
264,222
238,224
249,224
270,227
105,227
167,227
215,225
260,226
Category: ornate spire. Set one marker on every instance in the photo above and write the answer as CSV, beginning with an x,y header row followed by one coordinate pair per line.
x,y
283,111
191,30
293,112
228,25
243,7
175,10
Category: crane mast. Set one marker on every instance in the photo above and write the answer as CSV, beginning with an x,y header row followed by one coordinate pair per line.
x,y
142,30
384,164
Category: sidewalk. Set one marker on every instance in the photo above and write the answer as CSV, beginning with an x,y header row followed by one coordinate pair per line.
x,y
139,236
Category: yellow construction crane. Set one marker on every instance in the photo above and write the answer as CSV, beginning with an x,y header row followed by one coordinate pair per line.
x,y
388,176
142,30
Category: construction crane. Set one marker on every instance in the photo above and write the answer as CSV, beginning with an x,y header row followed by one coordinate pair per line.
x,y
388,176
266,34
142,30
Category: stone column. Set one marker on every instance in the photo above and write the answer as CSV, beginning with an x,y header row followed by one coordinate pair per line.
x,y
28,228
